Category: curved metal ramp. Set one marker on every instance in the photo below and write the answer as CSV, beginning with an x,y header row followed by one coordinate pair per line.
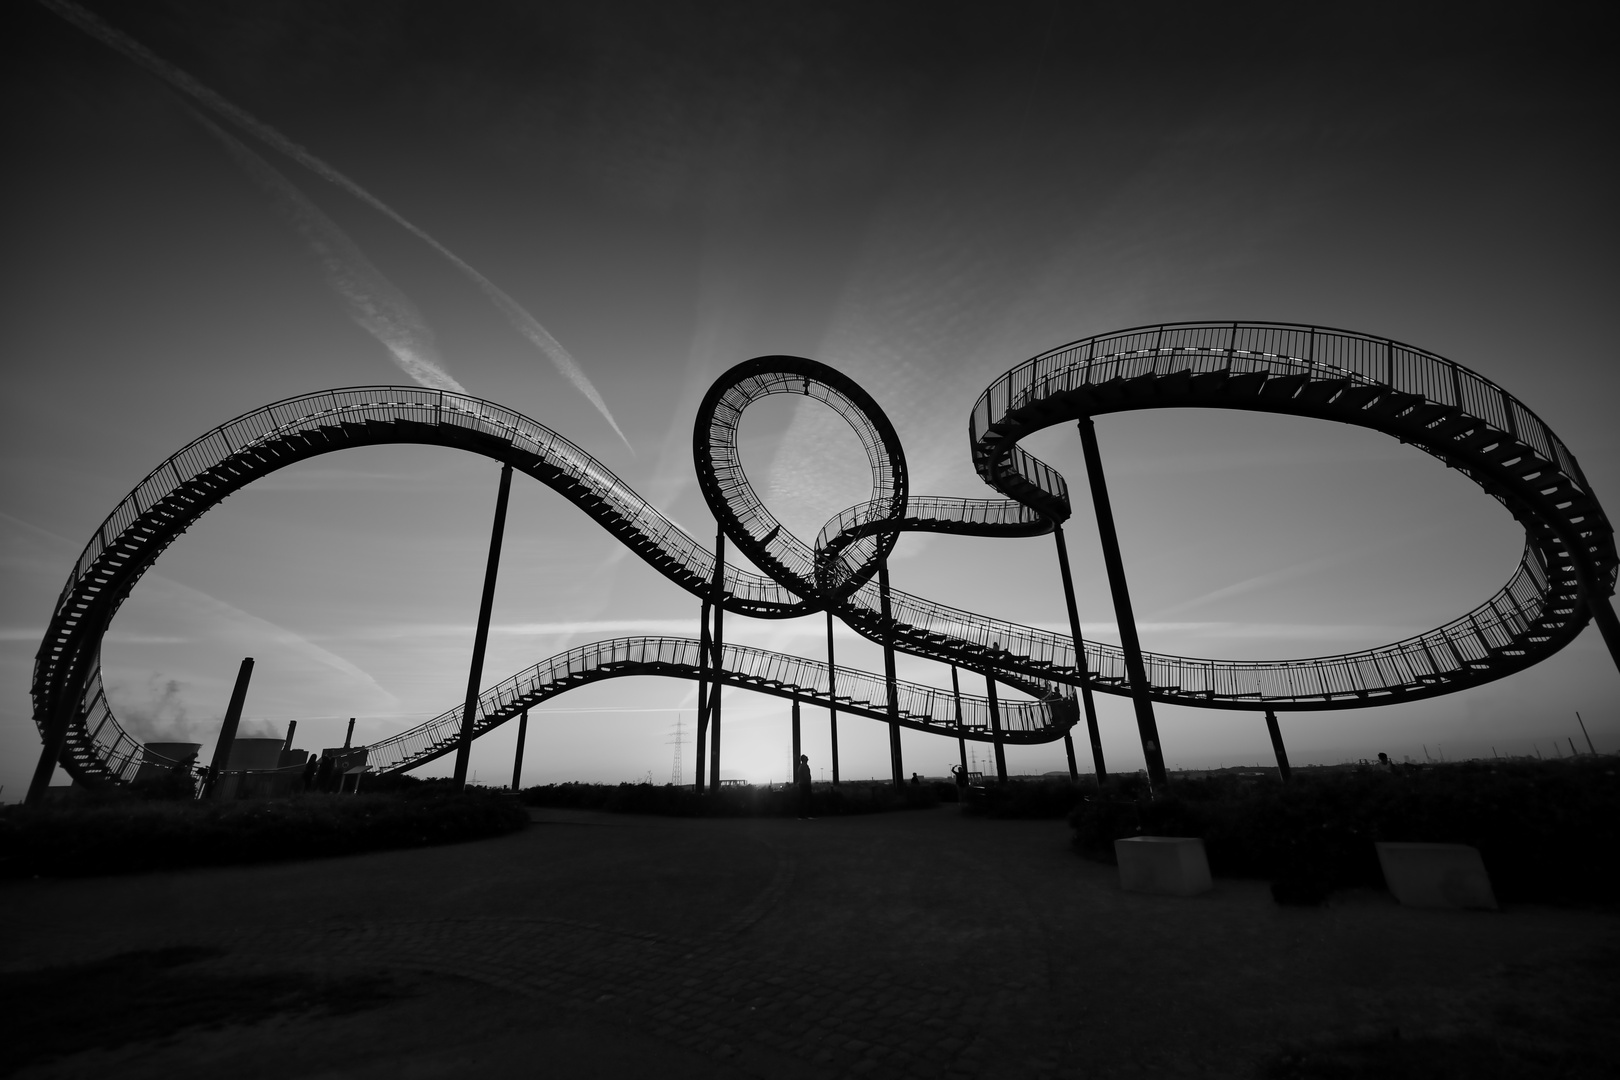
x,y
863,693
1437,405
1431,402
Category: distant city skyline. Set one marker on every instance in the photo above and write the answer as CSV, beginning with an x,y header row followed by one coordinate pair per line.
x,y
919,197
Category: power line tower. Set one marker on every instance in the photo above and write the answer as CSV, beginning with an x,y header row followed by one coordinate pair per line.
x,y
678,740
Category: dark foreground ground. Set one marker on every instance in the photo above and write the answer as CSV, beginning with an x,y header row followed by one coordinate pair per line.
x,y
904,944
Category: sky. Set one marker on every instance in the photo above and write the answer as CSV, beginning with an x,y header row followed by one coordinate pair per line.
x,y
922,196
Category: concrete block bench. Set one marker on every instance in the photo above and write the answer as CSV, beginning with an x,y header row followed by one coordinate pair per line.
x,y
1168,865
1436,875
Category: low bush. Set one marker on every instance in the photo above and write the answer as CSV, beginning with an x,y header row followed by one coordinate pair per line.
x,y
1544,830
1027,798
111,835
740,801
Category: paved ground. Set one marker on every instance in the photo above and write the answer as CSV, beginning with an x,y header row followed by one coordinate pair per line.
x,y
909,944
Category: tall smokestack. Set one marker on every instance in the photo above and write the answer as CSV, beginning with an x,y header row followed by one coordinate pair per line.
x,y
233,717
348,737
292,726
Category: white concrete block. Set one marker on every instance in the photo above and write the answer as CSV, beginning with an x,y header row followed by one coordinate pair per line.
x,y
1436,875
1169,865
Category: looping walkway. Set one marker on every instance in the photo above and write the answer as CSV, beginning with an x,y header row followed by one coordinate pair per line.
x,y
1470,423
1565,577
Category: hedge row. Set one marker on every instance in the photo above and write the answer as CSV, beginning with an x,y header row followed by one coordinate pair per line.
x,y
1546,832
742,801
129,835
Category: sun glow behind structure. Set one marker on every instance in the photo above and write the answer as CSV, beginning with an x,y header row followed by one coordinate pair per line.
x,y
673,231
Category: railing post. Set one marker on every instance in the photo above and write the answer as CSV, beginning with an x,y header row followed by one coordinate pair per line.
x,y
832,696
517,758
1080,668
475,672
1146,725
895,767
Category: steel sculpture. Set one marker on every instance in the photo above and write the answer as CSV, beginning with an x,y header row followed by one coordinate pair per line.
x,y
1565,577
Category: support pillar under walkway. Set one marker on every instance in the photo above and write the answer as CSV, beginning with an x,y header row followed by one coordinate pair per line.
x,y
517,758
475,672
794,771
832,697
716,665
1277,746
1080,669
995,717
961,738
700,762
896,769
1135,670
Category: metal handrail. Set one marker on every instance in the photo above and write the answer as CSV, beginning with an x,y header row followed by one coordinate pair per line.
x,y
1317,351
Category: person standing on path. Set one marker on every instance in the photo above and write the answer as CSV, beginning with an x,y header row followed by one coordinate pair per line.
x,y
801,777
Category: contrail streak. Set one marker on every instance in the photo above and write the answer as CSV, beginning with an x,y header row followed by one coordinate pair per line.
x,y
374,302
526,324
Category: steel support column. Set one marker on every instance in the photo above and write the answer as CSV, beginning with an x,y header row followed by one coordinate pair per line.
x,y
227,730
1135,670
716,667
475,671
895,766
961,736
794,771
1277,746
995,718
832,697
517,758
1080,668
703,699
1602,608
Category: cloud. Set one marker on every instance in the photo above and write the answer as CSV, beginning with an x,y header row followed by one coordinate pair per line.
x,y
158,712
1259,581
521,320
374,302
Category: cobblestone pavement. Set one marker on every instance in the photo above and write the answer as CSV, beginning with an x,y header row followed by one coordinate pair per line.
x,y
916,944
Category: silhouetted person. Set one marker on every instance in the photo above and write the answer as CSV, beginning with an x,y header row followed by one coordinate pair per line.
x,y
309,772
323,774
916,780
959,774
801,777
1384,764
